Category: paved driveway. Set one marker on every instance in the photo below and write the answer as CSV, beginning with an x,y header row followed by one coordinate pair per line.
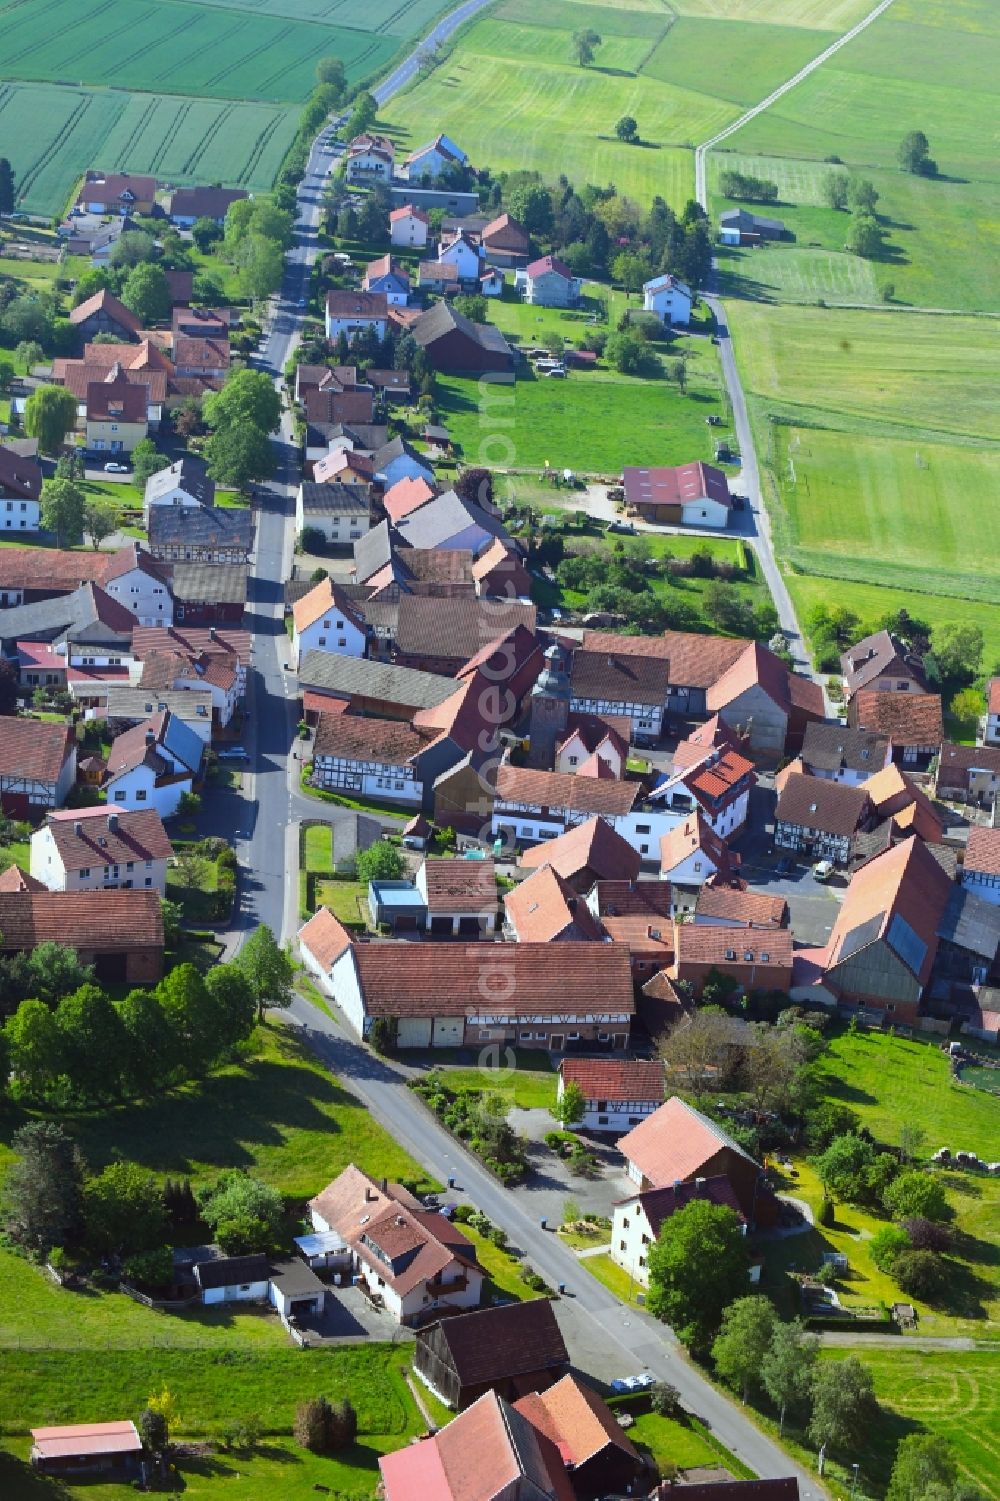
x,y
551,1182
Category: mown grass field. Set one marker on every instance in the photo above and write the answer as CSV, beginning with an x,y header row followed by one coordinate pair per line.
x,y
886,449
924,64
956,1395
681,75
593,421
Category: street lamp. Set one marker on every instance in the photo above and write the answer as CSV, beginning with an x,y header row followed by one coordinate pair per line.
x,y
854,1478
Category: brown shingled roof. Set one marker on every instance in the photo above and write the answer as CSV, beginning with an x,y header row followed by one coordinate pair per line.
x,y
460,885
906,718
593,845
619,677
815,803
103,836
87,920
558,789
33,749
494,1344
545,907
385,740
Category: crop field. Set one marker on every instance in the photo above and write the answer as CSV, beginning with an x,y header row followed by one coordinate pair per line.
x,y
202,90
681,76
175,45
932,66
53,134
883,459
954,1394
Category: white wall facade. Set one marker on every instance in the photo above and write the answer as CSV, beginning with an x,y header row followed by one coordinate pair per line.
x,y
705,512
332,633
19,515
672,304
148,598
463,256
241,1292
137,788
631,1237
47,866
408,230
351,326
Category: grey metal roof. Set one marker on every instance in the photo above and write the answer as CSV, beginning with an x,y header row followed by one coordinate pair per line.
x,y
356,676
296,1279
187,474
138,704
210,583
971,923
76,616
201,526
444,517
374,550
833,747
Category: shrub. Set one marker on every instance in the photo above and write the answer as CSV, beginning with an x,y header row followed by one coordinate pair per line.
x,y
916,1195
664,1399
463,1214
886,1246
499,1237
151,1268
826,1212
927,1235
313,539
923,1274
313,1428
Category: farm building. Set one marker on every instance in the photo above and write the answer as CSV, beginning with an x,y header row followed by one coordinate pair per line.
x,y
737,226
688,494
509,1350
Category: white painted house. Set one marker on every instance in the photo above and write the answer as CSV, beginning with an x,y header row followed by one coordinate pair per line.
x,y
325,620
618,1092
636,1221
233,1279
431,160
341,512
463,255
351,313
408,227
981,863
182,484
669,299
94,849
153,765
548,282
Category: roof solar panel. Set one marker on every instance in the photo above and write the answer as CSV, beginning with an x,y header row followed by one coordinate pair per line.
x,y
903,941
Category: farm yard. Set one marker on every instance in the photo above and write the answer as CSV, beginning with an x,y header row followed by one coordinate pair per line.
x,y
202,92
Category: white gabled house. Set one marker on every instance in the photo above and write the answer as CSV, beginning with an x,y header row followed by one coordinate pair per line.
x,y
618,1092
326,620
669,299
463,255
154,764
408,227
430,161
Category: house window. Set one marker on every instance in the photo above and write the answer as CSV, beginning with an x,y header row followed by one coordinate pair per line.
x,y
625,1222
85,870
322,641
119,797
602,1120
140,797
244,1287
622,1246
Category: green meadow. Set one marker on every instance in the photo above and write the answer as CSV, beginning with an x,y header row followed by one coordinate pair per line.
x,y
924,64
682,71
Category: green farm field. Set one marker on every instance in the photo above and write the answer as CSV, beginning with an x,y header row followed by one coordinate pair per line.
x,y
956,1395
200,90
879,436
54,134
923,64
177,46
683,72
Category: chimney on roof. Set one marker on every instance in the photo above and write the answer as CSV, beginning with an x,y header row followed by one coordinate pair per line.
x,y
699,1183
211,633
150,739
370,1195
77,827
112,821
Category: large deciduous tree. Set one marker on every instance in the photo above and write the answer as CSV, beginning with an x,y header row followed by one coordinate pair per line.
x,y
123,1211
697,1266
743,1341
62,509
844,1404
787,1368
267,968
147,294
49,414
248,396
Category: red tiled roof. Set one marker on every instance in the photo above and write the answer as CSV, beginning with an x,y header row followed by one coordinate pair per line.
x,y
558,789
87,920
658,1204
548,263
324,598
533,978
86,1439
897,796
758,666
20,477
742,908
703,943
906,718
692,834
905,882
33,749
593,845
660,486
615,1078
16,879
460,885
722,776
993,696
191,352
100,836
578,1422
106,302
406,495
408,211
674,1143
370,305
982,852
545,908
325,938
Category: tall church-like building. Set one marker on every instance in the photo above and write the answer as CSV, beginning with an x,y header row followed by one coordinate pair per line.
x,y
549,715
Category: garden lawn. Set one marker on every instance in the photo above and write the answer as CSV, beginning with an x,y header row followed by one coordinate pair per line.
x,y
524,1087
347,899
953,1394
279,1114
594,421
501,1269
671,1442
896,1081
613,1277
